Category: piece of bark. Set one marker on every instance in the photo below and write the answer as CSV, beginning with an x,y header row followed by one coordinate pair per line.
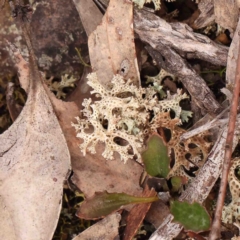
x,y
195,85
201,185
179,37
137,214
9,32
206,16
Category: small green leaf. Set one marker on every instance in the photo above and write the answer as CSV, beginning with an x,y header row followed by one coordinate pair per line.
x,y
155,158
176,182
193,217
104,203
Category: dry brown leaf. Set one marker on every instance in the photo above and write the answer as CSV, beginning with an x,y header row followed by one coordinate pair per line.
x,y
106,229
111,45
34,164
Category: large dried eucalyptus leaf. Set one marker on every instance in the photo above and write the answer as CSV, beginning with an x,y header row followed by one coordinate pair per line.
x,y
34,162
111,45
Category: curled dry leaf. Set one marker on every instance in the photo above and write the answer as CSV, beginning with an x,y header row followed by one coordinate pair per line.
x,y
34,164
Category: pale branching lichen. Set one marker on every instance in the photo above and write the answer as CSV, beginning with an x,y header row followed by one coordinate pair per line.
x,y
121,115
172,101
160,77
58,87
232,211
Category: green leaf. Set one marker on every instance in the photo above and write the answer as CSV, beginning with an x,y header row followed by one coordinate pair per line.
x,y
155,158
176,182
193,217
104,203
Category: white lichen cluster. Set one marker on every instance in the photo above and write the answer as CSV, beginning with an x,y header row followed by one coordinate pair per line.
x,y
231,213
120,117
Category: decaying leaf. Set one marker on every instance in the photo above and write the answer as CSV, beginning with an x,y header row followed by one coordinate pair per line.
x,y
34,164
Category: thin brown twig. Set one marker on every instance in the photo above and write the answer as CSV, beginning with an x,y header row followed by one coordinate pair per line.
x,y
216,226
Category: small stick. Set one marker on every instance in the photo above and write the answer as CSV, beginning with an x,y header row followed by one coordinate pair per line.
x,y
216,226
217,121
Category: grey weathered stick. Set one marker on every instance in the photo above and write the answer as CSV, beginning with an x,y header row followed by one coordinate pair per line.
x,y
178,36
218,121
206,16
